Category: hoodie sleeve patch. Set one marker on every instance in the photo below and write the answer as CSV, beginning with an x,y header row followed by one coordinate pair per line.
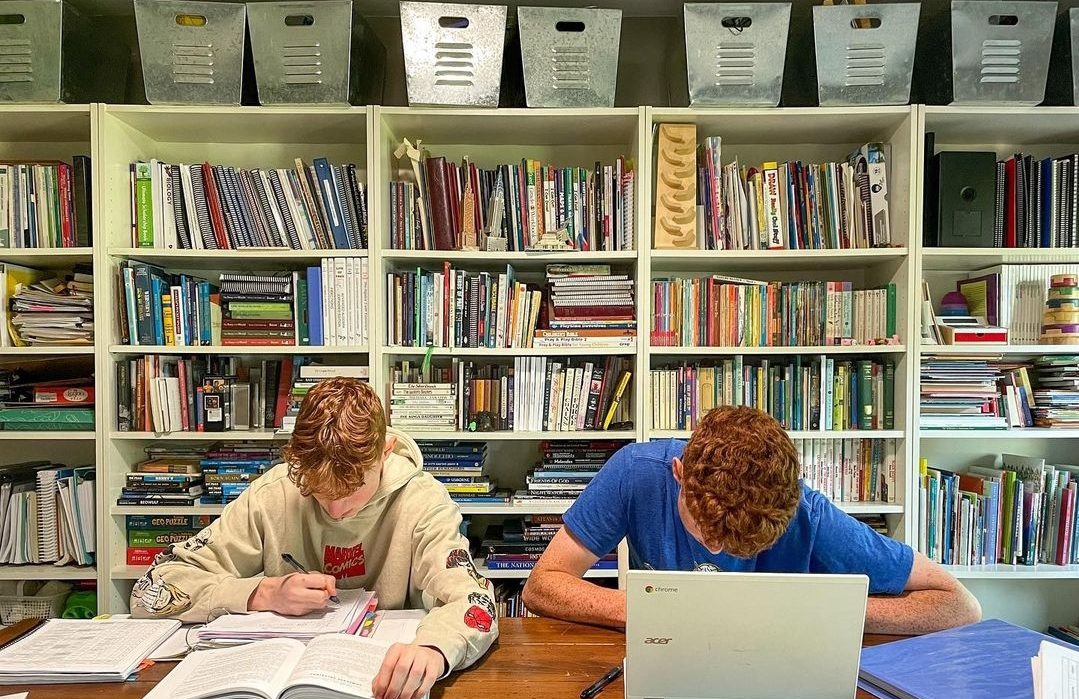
x,y
459,558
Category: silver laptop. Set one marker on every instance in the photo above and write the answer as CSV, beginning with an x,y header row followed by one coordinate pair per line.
x,y
743,635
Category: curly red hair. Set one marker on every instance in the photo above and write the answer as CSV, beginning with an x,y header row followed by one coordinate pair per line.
x,y
340,434
740,480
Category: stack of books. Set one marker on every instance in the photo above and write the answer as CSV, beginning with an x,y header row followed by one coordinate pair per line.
x,y
1023,512
454,308
564,471
793,205
164,485
876,522
307,377
969,393
320,306
201,394
229,468
590,297
813,394
1056,398
721,311
150,535
516,547
423,406
454,206
460,467
47,395
850,470
46,204
54,311
48,514
216,207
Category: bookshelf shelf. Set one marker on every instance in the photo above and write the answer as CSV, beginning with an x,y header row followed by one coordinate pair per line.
x,y
674,261
509,351
247,259
522,574
1015,433
120,510
517,259
507,436
967,259
517,510
222,349
231,435
799,434
1034,350
1002,571
47,258
127,572
47,572
44,351
48,435
814,349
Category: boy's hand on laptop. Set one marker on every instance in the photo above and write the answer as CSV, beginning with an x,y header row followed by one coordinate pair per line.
x,y
408,672
293,595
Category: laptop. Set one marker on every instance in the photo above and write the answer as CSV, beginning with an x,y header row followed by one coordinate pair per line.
x,y
743,635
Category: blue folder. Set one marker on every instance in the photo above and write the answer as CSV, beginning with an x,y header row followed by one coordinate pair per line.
x,y
989,660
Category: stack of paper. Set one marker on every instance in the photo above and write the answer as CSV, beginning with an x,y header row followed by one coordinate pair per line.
x,y
54,311
82,650
1056,672
344,618
47,514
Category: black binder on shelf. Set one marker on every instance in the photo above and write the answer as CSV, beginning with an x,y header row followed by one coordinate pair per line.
x,y
966,190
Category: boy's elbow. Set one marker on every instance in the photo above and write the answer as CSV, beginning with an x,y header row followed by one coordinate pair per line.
x,y
530,595
969,609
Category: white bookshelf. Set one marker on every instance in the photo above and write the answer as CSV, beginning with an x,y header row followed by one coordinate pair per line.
x,y
52,132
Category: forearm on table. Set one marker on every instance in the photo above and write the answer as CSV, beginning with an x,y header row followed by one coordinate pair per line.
x,y
921,611
564,596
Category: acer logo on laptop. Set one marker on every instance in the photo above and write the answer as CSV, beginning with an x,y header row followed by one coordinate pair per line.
x,y
656,641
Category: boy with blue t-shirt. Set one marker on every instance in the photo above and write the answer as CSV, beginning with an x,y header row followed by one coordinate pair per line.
x,y
730,500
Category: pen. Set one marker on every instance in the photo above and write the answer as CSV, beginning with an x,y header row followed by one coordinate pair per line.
x,y
597,687
287,558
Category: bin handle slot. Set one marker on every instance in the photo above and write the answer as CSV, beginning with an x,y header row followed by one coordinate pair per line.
x,y
736,24
299,21
185,20
865,23
569,26
1004,20
453,22
12,19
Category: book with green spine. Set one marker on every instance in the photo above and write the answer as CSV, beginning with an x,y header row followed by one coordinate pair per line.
x,y
144,210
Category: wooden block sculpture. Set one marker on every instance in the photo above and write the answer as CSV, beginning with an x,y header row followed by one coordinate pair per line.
x,y
676,187
1060,322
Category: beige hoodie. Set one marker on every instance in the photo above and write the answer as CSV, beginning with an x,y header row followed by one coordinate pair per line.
x,y
405,544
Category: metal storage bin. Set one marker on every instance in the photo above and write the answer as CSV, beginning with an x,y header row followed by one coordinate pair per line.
x,y
192,52
735,53
865,54
1000,51
315,52
43,49
570,55
453,53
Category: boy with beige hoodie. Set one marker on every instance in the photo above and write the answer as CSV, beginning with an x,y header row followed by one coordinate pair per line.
x,y
351,500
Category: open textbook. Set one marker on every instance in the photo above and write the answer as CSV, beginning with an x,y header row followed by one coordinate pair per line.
x,y
332,666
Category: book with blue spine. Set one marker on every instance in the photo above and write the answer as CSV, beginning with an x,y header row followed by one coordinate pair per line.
x,y
314,305
328,192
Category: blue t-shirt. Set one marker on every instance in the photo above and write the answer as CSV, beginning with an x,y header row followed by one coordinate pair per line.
x,y
635,496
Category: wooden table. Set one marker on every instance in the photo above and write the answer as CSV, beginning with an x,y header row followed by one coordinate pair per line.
x,y
533,658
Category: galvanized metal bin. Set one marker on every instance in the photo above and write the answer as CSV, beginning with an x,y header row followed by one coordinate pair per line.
x,y
192,52
570,55
44,46
735,52
315,52
1000,51
865,54
453,53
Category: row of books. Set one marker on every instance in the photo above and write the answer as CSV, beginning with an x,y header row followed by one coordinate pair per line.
x,y
972,393
47,514
459,466
1020,511
321,306
218,207
46,204
818,394
581,305
721,311
517,545
851,470
48,395
150,535
1036,202
453,207
793,205
187,475
535,394
46,309
508,602
565,469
